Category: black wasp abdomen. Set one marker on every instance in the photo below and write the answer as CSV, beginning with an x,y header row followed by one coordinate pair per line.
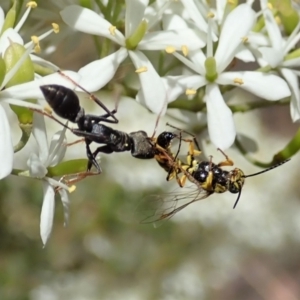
x,y
202,171
62,100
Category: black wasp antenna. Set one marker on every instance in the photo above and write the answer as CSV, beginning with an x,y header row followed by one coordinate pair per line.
x,y
258,173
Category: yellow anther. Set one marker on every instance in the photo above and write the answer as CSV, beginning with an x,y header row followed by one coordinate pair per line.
x,y
35,40
112,30
239,81
278,20
245,39
48,110
72,188
189,92
55,27
210,15
170,49
31,4
141,70
270,6
231,2
185,50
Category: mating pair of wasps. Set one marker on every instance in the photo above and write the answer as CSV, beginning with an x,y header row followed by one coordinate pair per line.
x,y
207,177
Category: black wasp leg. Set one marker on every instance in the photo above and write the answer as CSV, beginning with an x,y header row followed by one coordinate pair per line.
x,y
91,158
50,117
104,149
103,118
94,98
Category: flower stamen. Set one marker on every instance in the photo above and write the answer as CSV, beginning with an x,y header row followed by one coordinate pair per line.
x,y
245,39
55,27
239,81
189,92
112,30
170,49
185,50
210,15
141,70
35,40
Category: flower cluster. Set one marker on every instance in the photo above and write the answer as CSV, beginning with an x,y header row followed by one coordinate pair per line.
x,y
185,54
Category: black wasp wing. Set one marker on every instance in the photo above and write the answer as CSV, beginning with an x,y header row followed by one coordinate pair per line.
x,y
160,207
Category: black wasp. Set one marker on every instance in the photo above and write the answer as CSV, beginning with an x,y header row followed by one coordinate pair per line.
x,y
208,178
65,104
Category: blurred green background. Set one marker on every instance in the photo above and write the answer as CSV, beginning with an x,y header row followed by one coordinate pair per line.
x,y
207,251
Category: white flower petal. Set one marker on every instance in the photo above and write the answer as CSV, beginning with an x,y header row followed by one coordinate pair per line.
x,y
2,17
220,122
8,36
236,26
272,28
99,72
42,62
273,56
135,11
58,148
292,80
177,85
175,38
152,93
295,62
86,20
65,202
268,86
6,146
40,134
31,90
195,15
47,212
244,54
198,68
36,166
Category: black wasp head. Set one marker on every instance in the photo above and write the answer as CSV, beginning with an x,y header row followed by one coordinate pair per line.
x,y
165,138
62,100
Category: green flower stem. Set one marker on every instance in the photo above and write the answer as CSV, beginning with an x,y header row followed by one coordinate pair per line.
x,y
2,69
68,168
10,18
289,150
137,36
244,107
43,71
26,131
117,11
101,6
105,48
191,105
86,3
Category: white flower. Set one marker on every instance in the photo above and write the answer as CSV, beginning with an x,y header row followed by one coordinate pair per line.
x,y
6,148
96,74
38,164
274,55
31,89
211,73
9,36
